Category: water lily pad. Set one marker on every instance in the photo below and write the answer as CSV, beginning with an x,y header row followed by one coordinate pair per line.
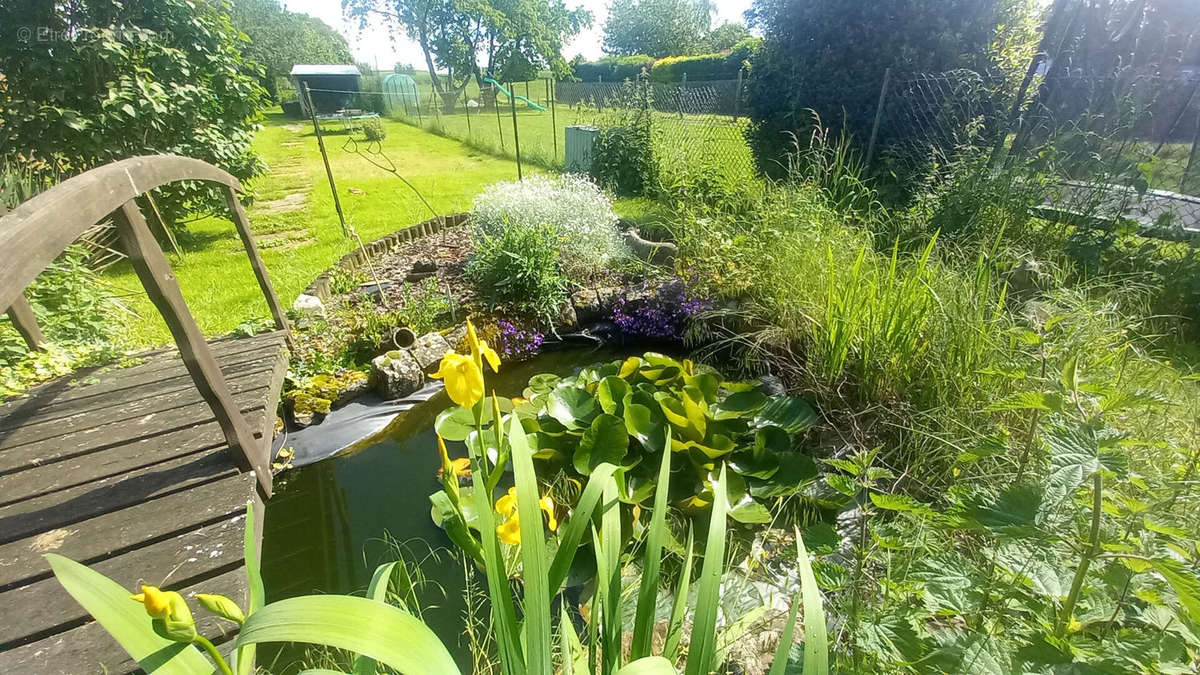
x,y
750,511
605,441
644,425
742,403
611,393
544,383
791,413
571,406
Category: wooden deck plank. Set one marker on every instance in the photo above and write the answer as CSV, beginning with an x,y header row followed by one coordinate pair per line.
x,y
89,466
102,380
113,533
153,428
184,560
89,649
77,504
123,393
82,421
124,470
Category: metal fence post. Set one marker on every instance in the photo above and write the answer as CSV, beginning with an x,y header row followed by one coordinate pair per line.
x,y
512,104
468,107
1193,159
737,95
552,94
420,122
496,105
337,204
883,92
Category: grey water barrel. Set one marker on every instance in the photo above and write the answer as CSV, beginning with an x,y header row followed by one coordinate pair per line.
x,y
578,143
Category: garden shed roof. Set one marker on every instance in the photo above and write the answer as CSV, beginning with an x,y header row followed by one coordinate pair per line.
x,y
324,69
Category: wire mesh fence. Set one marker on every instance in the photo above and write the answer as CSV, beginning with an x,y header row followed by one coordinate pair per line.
x,y
696,122
1130,128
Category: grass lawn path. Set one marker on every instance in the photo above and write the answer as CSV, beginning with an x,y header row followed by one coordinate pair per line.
x,y
295,223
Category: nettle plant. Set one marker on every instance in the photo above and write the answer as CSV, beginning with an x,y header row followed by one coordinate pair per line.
x,y
1072,563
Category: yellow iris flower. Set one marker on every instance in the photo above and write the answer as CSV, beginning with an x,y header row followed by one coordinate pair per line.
x,y
547,506
464,379
510,531
158,605
507,505
461,466
480,350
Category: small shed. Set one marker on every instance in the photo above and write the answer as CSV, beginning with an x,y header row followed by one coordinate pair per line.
x,y
331,86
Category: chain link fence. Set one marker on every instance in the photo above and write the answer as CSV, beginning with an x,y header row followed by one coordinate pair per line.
x,y
1129,128
695,123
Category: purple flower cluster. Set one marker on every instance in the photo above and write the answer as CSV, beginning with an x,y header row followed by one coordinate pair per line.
x,y
517,343
658,314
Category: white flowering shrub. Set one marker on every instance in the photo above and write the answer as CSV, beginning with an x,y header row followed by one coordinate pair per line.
x,y
578,210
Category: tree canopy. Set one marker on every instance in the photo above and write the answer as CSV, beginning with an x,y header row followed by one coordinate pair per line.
x,y
658,28
829,56
86,82
725,36
279,39
465,39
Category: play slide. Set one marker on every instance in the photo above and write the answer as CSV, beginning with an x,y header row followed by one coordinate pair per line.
x,y
504,91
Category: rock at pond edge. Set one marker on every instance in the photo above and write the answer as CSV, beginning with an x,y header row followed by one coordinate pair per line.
x,y
395,375
428,350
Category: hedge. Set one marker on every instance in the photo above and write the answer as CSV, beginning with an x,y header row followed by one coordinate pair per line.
x,y
705,67
613,68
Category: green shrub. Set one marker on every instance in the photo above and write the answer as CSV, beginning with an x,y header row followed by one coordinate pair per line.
x,y
519,269
613,68
579,211
74,310
623,158
705,67
373,130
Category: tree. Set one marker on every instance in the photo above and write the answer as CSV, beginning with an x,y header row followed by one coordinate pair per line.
x,y
513,38
725,36
829,56
657,27
279,39
87,82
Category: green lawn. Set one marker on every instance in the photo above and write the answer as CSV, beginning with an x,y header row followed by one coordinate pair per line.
x,y
298,245
687,138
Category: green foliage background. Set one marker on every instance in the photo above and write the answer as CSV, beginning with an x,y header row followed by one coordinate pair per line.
x,y
87,82
830,56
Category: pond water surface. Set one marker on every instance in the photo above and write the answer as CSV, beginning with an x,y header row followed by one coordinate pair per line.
x,y
329,524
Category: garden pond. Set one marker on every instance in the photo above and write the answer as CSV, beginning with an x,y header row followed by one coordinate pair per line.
x,y
331,523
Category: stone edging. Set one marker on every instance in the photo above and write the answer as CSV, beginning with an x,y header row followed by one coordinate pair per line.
x,y
355,259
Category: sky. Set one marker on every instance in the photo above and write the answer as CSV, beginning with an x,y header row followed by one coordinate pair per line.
x,y
379,44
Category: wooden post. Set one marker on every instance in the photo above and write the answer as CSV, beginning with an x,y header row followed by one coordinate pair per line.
x,y
152,269
512,104
887,80
25,321
337,204
260,270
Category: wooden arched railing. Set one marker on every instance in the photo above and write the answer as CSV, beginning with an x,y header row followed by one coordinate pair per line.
x,y
36,232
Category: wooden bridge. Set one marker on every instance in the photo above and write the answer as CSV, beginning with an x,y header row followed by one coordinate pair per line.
x,y
143,473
